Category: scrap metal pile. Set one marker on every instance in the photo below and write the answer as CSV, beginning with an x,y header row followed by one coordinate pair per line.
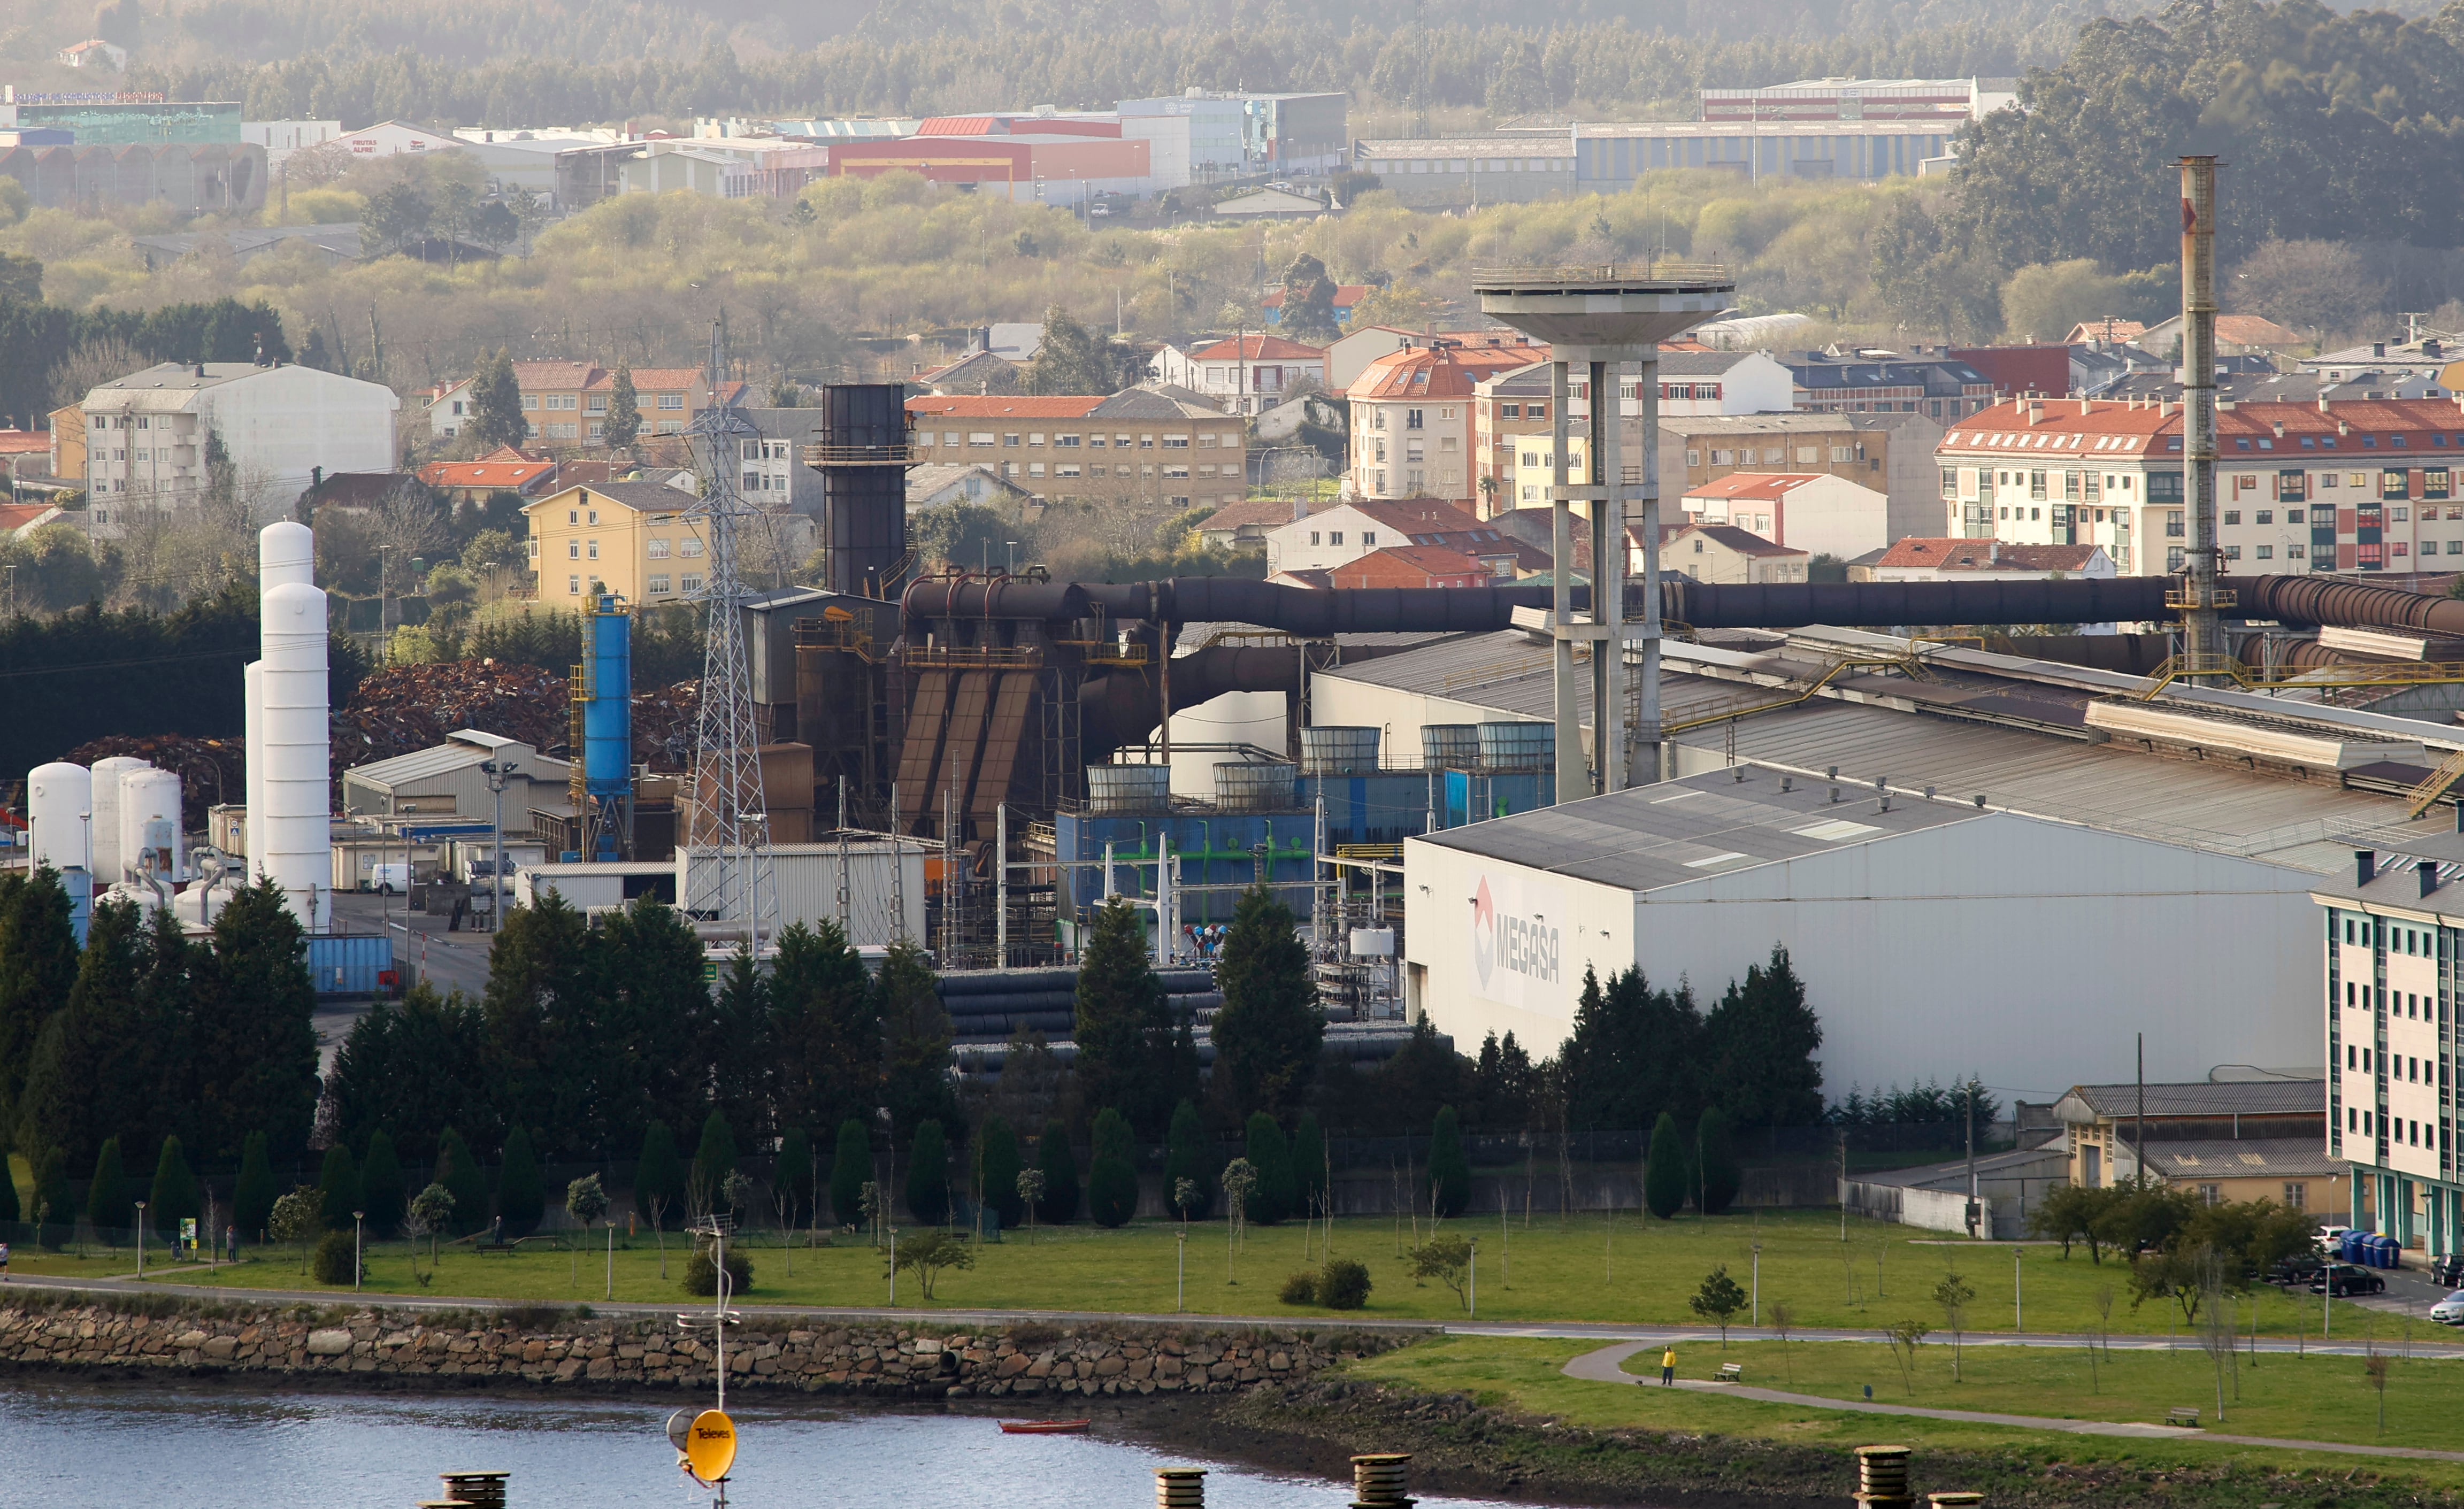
x,y
210,771
407,708
402,708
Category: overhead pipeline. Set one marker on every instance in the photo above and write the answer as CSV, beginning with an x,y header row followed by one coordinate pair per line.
x,y
1885,604
2347,604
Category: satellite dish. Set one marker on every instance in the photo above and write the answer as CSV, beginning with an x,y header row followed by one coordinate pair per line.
x,y
709,1449
680,1430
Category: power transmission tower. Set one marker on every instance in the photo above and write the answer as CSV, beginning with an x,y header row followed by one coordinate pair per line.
x,y
729,837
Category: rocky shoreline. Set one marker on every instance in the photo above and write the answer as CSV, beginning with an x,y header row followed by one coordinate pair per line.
x,y
573,1350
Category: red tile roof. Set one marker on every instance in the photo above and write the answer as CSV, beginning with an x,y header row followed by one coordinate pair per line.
x,y
513,476
14,516
2105,428
1268,512
1984,555
25,442
1754,485
1260,348
532,375
1418,516
1004,405
1405,561
1441,370
1918,551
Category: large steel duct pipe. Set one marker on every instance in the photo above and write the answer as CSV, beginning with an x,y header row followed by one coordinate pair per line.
x,y
2348,605
1885,604
1302,611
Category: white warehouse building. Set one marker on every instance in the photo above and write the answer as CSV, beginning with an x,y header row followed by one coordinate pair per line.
x,y
2133,867
282,425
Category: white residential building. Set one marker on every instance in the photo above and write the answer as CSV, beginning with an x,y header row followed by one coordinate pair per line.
x,y
283,426
1810,510
1248,374
1694,383
282,138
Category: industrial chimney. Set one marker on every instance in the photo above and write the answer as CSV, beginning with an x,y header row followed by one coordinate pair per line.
x,y
2198,597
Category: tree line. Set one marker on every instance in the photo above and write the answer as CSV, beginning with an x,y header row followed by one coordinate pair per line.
x,y
1092,59
90,672
40,338
2335,128
175,1049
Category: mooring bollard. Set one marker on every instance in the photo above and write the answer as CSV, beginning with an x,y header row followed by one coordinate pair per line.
x,y
478,1490
1962,1498
1882,1476
1181,1488
1377,1480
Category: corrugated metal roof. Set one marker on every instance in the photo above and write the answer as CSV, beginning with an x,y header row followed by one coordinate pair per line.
x,y
2211,804
2244,1158
1677,832
2200,1098
418,765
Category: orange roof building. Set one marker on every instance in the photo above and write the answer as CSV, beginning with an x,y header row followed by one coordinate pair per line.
x,y
1412,408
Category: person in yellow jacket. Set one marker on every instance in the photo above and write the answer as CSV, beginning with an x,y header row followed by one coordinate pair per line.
x,y
1668,1369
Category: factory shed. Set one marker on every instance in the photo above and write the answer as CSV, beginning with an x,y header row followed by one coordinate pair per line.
x,y
445,781
1936,939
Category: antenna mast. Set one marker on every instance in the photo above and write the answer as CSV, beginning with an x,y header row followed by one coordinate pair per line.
x,y
728,840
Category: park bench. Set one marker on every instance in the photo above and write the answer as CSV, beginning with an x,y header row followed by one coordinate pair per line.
x,y
2183,1417
1731,1372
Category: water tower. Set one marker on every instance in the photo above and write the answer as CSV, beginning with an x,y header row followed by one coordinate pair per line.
x,y
1596,320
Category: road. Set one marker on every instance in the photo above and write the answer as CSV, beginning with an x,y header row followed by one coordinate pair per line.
x,y
447,960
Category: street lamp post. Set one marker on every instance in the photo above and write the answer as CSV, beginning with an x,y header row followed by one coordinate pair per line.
x,y
358,1218
140,1241
497,771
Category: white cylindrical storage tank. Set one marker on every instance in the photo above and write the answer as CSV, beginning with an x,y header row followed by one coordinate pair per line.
x,y
295,831
150,824
103,847
59,796
252,694
286,554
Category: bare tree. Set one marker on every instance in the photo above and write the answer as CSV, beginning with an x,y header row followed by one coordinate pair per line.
x,y
91,364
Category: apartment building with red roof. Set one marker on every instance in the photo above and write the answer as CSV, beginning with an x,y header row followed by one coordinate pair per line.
x,y
1814,511
1412,414
503,469
1722,554
1333,538
1409,566
2350,486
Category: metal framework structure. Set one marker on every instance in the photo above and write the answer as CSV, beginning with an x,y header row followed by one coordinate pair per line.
x,y
729,834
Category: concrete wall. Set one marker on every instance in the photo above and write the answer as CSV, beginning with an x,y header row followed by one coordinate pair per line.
x,y
2025,951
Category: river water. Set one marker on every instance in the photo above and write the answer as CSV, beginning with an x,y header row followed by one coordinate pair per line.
x,y
66,1447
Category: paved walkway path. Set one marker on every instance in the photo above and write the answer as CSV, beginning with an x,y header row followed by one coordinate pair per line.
x,y
1603,1367
2430,1346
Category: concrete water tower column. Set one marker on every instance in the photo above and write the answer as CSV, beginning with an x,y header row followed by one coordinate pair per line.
x,y
1596,320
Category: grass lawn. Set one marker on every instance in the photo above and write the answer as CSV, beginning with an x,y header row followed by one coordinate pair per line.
x,y
2313,1398
1623,1269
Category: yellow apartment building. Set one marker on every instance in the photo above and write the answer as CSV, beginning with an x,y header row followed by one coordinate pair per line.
x,y
634,538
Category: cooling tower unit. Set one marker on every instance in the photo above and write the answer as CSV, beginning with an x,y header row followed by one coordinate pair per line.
x,y
294,831
862,457
109,865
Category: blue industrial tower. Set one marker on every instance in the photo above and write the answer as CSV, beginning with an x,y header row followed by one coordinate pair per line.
x,y
603,742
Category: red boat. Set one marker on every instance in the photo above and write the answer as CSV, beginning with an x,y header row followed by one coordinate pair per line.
x,y
1044,1427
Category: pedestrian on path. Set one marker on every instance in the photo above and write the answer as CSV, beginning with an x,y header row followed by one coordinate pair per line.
x,y
1668,1369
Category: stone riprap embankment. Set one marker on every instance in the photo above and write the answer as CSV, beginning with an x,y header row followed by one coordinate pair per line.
x,y
565,1347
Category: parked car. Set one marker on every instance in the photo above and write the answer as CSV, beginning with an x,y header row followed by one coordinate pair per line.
x,y
2448,1272
2448,1311
2329,1235
2300,1268
2342,1279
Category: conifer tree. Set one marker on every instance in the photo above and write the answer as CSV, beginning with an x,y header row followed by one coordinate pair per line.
x,y
175,1196
1667,1171
1124,1028
38,964
1449,1172
79,1090
384,1193
997,1155
521,1193
1269,1033
825,1029
53,1205
850,1171
1052,1154
713,1159
253,1193
338,1189
1719,1177
791,1178
1113,1176
928,1174
106,1202
1759,1046
624,410
1188,1156
1271,1199
658,1178
1310,1189
497,407
462,1176
9,1209
915,1032
255,1052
